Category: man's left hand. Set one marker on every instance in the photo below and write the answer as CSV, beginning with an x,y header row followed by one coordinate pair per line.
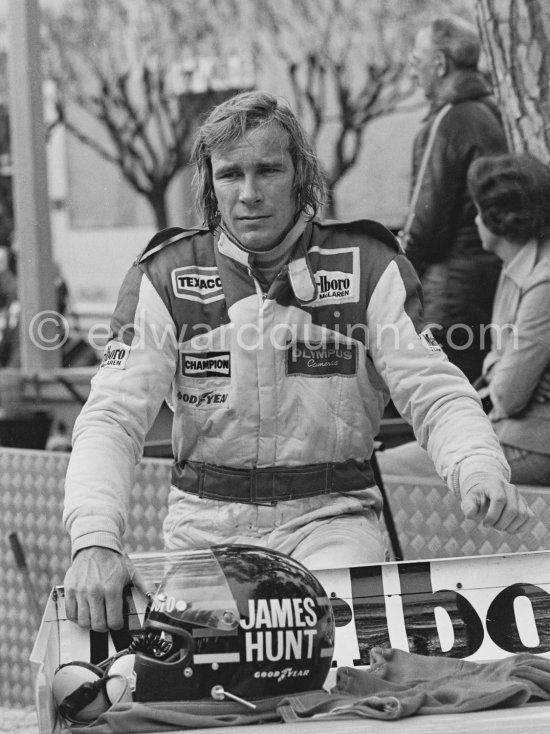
x,y
496,501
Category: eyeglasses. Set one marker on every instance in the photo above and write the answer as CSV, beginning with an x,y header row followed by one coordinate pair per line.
x,y
414,60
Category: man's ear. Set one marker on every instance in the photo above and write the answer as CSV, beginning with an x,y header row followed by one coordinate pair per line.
x,y
441,64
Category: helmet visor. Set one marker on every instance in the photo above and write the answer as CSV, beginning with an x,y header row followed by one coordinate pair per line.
x,y
193,590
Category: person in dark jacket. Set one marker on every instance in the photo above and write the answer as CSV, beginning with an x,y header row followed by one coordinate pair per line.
x,y
440,236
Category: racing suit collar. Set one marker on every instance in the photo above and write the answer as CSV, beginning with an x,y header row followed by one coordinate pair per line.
x,y
301,278
229,245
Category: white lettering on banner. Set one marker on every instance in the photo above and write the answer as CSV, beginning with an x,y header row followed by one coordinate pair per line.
x,y
115,356
476,608
197,283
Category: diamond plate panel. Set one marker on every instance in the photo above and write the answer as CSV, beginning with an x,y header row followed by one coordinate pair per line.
x,y
31,505
430,523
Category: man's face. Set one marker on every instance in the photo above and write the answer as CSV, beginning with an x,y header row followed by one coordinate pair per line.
x,y
253,180
4,259
423,63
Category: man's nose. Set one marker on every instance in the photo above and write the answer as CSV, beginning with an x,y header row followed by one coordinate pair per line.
x,y
250,192
412,65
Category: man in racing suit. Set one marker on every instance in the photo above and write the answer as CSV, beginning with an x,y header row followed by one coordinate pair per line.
x,y
279,339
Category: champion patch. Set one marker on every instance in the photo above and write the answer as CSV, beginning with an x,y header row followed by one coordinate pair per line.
x,y
208,364
429,341
337,276
321,360
115,356
196,283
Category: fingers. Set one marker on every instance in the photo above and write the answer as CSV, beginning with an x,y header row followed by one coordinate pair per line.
x,y
90,610
93,589
500,506
472,505
515,517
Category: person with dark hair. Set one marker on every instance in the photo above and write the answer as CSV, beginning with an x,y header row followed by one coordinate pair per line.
x,y
279,338
512,196
439,237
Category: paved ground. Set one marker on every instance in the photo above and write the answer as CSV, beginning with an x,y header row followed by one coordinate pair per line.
x,y
21,721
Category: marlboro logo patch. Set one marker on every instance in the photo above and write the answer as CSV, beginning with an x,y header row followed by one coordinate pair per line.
x,y
115,356
429,341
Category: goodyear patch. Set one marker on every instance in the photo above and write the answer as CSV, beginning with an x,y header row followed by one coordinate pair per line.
x,y
321,360
197,283
115,356
206,364
204,400
429,341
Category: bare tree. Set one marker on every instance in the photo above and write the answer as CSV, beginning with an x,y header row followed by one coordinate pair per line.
x,y
146,71
516,36
345,63
6,197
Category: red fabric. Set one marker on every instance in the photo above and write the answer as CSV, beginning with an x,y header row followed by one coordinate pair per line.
x,y
397,684
449,685
137,718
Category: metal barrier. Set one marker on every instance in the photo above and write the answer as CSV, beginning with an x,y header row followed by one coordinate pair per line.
x,y
428,520
31,505
431,524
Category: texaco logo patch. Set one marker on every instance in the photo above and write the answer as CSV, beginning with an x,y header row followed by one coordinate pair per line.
x,y
196,283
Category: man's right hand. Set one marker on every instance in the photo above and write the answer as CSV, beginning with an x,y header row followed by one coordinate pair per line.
x,y
93,589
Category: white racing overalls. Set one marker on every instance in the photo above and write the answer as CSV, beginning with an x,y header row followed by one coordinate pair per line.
x,y
277,396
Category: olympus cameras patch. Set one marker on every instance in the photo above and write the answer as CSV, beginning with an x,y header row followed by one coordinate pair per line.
x,y
320,360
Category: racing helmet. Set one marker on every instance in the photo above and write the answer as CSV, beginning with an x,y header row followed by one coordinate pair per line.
x,y
235,620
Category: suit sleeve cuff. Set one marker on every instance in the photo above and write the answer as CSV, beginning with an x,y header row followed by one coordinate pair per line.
x,y
471,467
102,532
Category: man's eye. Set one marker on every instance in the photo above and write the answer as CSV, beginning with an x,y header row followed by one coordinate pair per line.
x,y
227,175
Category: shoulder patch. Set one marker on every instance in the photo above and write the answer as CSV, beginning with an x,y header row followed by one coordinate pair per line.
x,y
166,237
368,227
